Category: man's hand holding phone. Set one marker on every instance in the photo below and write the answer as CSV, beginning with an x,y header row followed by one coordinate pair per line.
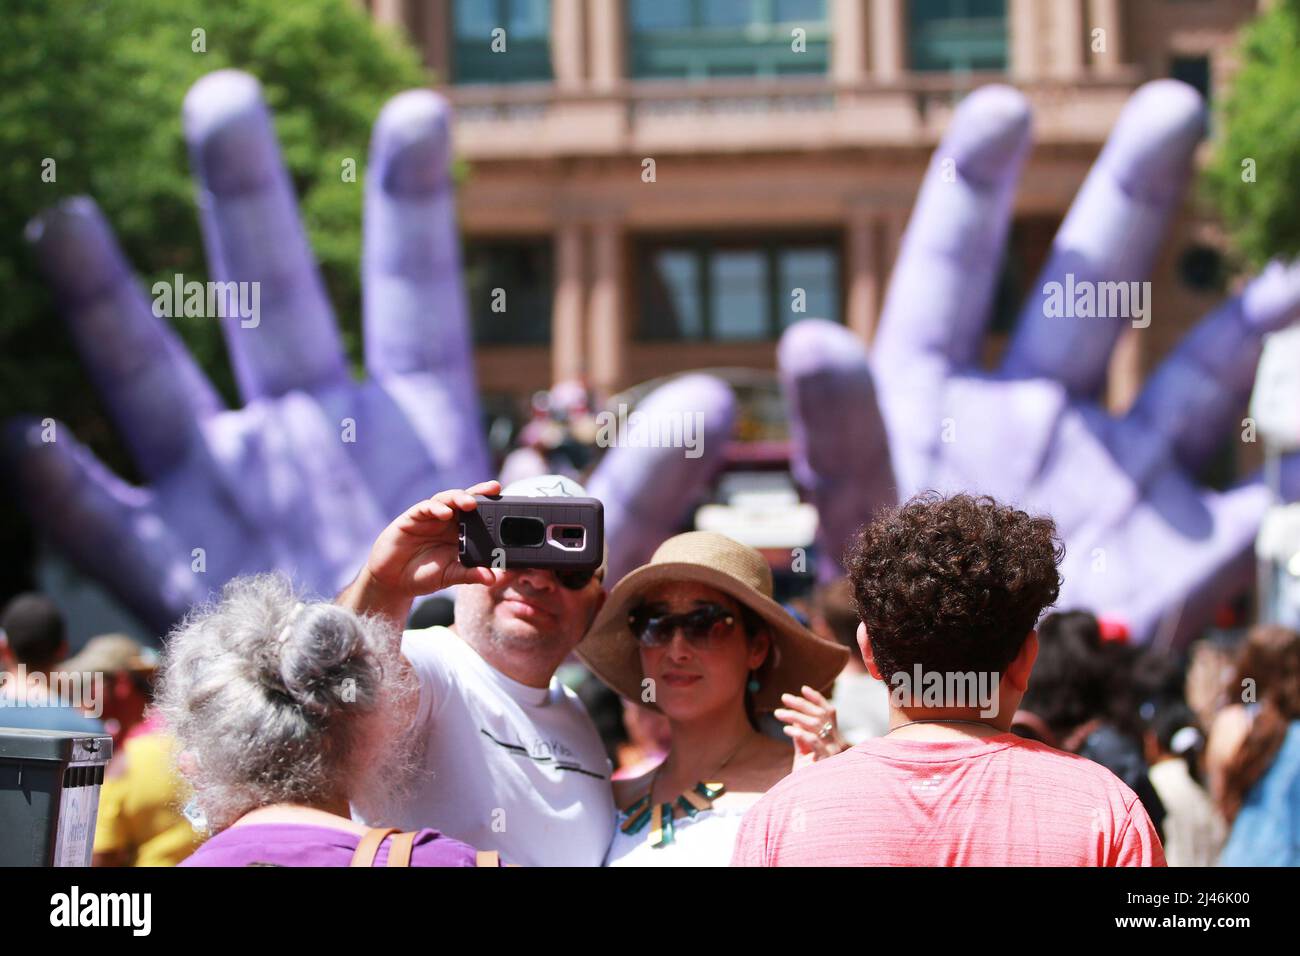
x,y
418,553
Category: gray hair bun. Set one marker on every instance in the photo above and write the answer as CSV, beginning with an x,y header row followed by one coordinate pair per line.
x,y
278,701
322,664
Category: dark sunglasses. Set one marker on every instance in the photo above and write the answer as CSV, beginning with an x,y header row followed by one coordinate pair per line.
x,y
574,580
700,626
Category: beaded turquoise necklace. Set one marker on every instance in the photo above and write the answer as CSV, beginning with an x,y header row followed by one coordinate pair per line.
x,y
659,816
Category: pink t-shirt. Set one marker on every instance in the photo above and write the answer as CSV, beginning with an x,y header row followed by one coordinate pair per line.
x,y
1000,801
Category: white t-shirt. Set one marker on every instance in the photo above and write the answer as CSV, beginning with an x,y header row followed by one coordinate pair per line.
x,y
507,767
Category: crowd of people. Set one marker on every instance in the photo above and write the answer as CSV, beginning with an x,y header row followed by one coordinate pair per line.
x,y
920,711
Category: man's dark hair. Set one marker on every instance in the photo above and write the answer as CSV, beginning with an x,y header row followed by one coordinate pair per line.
x,y
33,629
1070,684
1169,718
952,584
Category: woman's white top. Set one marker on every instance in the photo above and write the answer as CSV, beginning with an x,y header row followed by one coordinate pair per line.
x,y
705,839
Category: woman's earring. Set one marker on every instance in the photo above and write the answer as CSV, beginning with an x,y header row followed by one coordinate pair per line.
x,y
753,684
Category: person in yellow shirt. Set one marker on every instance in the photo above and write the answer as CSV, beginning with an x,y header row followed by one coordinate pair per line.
x,y
140,821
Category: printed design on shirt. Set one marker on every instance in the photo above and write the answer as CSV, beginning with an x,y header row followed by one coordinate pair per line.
x,y
550,752
928,785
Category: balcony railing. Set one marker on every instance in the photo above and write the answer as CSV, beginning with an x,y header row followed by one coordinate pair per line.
x,y
786,113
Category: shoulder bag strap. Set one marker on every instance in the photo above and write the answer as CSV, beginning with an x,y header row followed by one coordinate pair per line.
x,y
399,851
369,846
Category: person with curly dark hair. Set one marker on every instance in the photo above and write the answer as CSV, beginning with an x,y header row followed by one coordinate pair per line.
x,y
949,590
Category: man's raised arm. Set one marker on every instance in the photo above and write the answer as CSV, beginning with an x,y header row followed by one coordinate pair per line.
x,y
417,554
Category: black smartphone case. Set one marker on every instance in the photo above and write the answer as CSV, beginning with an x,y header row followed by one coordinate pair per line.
x,y
481,533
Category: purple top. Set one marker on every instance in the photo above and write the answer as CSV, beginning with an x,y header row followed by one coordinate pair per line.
x,y
303,844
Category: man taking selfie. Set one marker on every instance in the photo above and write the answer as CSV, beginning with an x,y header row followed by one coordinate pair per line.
x,y
508,759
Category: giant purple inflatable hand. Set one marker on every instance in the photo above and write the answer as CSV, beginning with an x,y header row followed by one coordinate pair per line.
x,y
305,475
1143,541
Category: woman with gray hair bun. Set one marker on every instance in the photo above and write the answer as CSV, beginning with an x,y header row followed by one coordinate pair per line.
x,y
287,713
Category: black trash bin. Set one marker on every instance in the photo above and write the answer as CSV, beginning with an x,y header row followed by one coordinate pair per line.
x,y
49,795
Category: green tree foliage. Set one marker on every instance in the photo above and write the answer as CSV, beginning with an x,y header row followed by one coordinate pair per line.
x,y
97,86
1252,179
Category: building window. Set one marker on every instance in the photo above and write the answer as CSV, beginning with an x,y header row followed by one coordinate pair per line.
x,y
1201,269
699,39
957,35
501,41
1028,243
707,290
510,287
1194,71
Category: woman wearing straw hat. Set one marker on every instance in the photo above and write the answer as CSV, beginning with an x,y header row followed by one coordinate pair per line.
x,y
696,635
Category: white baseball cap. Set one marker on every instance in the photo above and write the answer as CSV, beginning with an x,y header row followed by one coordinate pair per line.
x,y
545,486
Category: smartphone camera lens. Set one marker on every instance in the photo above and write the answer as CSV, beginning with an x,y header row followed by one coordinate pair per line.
x,y
568,537
520,532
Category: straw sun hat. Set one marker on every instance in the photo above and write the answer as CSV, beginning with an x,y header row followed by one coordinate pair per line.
x,y
797,657
110,654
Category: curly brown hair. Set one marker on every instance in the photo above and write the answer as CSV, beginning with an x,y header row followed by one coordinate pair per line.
x,y
953,584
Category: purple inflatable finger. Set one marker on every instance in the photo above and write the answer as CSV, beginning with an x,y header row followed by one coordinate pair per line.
x,y
1196,396
417,330
651,483
155,393
1111,234
839,449
942,288
101,524
288,339
943,284
415,311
